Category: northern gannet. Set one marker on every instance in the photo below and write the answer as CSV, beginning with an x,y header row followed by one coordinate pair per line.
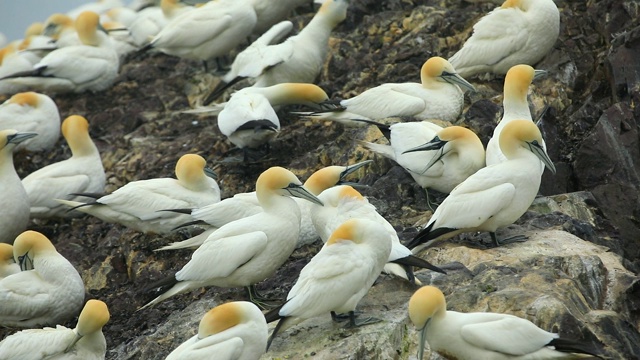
x,y
495,196
484,335
85,342
518,32
32,112
337,277
14,202
138,204
231,331
81,173
251,249
48,290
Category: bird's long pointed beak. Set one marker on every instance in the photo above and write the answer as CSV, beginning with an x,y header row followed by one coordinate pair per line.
x,y
542,155
210,173
301,192
423,338
351,169
20,137
433,144
73,343
454,78
537,74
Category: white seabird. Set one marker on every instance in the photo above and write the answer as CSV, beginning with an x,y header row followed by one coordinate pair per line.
x,y
81,173
232,331
518,32
14,202
437,96
48,290
85,342
495,196
483,335
32,112
337,277
251,249
342,203
138,204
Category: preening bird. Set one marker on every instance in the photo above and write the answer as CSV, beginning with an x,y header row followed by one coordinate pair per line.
x,y
436,158
231,331
480,335
342,203
518,32
81,173
138,204
14,202
48,290
516,106
495,196
438,96
251,249
85,342
35,113
337,277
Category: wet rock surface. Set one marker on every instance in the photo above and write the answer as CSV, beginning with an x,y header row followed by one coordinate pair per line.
x,y
576,274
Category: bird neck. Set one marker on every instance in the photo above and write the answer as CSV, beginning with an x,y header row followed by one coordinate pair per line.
x,y
82,145
6,163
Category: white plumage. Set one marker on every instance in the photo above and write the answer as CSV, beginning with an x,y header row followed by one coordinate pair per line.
x,y
232,331
14,202
438,96
32,112
81,173
437,158
85,342
48,290
518,32
480,336
138,204
339,275
495,196
251,249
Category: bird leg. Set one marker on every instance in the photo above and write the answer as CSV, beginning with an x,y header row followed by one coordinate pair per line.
x,y
261,301
509,240
356,323
431,204
339,317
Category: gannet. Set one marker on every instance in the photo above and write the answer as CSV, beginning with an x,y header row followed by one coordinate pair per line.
x,y
438,96
48,290
271,12
151,20
32,112
207,32
309,95
137,204
58,25
437,158
248,121
246,204
232,331
92,66
338,276
516,106
81,173
297,59
484,335
518,32
343,202
251,249
8,266
495,196
121,38
14,202
85,342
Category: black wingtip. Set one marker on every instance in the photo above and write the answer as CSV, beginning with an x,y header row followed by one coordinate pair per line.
x,y
384,128
162,284
575,346
187,224
90,195
221,88
28,73
413,260
275,331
